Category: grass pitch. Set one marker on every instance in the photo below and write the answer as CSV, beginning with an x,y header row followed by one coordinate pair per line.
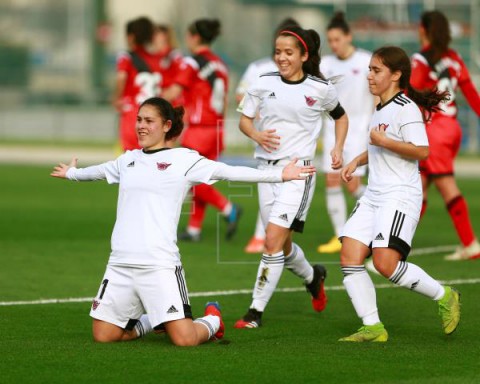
x,y
54,243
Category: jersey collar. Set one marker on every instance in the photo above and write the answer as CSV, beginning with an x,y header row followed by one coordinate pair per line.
x,y
380,106
296,81
154,150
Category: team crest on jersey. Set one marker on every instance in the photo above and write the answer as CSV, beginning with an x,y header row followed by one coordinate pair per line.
x,y
383,126
163,166
95,304
355,71
310,100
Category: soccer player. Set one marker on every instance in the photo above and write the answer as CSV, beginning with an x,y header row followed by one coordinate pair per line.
x,y
253,71
203,79
289,103
144,273
138,78
348,66
385,218
438,66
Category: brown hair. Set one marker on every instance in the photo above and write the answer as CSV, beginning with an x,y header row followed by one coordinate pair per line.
x,y
437,29
168,112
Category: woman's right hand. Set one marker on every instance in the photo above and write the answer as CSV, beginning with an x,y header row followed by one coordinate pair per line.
x,y
267,139
347,172
61,169
292,172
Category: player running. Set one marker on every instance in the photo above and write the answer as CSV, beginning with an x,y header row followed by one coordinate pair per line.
x,y
438,66
289,104
203,78
348,66
144,273
385,218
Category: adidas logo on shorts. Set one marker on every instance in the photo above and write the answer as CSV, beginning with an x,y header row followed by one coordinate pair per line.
x,y
379,237
283,217
172,309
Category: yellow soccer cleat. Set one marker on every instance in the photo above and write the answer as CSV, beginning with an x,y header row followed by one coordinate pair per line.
x,y
333,246
449,310
375,333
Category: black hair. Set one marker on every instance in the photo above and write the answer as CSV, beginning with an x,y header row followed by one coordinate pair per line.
x,y
141,29
338,22
168,112
396,59
207,29
312,40
437,29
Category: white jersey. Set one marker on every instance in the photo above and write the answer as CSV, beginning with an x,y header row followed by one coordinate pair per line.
x,y
293,109
152,187
350,79
253,71
391,176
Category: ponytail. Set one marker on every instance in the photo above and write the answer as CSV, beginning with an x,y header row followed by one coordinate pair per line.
x,y
437,29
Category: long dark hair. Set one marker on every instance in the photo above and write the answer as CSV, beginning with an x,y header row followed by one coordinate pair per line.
x,y
168,112
437,29
395,59
207,29
142,30
311,40
338,22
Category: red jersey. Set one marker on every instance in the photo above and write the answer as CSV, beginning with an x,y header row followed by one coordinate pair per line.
x,y
146,73
204,78
449,73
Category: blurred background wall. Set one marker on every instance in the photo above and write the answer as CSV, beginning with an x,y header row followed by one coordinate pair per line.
x,y
57,57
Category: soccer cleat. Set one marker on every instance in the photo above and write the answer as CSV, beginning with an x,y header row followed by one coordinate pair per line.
x,y
213,308
187,236
449,310
253,319
470,252
375,333
333,246
232,220
316,288
255,245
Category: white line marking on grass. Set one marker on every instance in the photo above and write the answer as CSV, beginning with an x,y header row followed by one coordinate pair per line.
x,y
226,293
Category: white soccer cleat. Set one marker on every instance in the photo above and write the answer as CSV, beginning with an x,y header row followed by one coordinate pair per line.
x,y
465,253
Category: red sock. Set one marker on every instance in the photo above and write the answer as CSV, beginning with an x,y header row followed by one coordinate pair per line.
x,y
424,208
197,214
458,210
209,195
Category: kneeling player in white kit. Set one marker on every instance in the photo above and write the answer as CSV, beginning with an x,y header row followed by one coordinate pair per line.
x,y
144,273
385,218
289,104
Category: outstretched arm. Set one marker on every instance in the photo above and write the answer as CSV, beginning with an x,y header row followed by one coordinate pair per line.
x,y
95,172
275,175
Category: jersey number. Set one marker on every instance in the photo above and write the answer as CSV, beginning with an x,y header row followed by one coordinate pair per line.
x,y
217,101
149,84
448,84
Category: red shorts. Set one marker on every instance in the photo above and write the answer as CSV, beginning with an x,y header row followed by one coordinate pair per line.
x,y
128,133
208,141
444,137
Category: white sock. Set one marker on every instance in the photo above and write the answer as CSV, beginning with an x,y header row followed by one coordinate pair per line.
x,y
259,227
143,326
413,277
337,208
193,231
268,275
212,323
358,193
228,209
361,291
298,264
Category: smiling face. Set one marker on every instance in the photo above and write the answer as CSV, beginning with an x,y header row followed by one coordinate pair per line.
x,y
381,81
151,128
340,42
289,58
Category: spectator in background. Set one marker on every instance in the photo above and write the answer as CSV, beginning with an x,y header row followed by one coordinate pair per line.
x,y
253,71
347,67
438,66
203,79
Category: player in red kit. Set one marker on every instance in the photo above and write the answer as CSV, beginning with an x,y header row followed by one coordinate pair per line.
x,y
203,79
438,66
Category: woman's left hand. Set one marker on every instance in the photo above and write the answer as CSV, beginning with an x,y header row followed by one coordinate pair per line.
x,y
292,172
337,158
